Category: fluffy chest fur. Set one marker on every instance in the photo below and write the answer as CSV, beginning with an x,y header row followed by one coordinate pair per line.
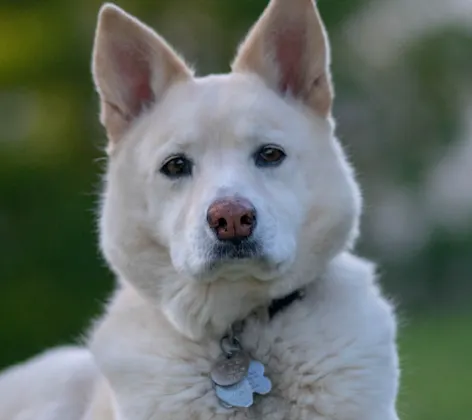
x,y
327,356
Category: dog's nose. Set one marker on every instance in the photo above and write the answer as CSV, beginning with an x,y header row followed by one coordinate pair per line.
x,y
232,218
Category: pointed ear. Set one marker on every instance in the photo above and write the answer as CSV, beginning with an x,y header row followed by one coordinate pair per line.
x,y
288,47
132,68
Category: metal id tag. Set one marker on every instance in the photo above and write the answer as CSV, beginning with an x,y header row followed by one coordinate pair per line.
x,y
260,384
230,369
238,395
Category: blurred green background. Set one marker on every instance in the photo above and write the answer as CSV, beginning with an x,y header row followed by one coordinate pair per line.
x,y
404,109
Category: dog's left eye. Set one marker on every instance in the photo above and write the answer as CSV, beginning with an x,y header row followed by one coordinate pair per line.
x,y
269,156
177,167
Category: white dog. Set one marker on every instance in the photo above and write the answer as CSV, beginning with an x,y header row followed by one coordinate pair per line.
x,y
228,214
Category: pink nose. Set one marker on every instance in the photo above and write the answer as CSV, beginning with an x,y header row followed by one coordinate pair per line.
x,y
232,218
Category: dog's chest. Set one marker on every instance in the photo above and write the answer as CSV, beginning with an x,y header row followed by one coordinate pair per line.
x,y
286,346
300,349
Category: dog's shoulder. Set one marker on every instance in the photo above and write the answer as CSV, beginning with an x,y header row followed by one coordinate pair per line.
x,y
335,349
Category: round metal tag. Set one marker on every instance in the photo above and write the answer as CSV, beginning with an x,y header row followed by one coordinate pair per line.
x,y
230,369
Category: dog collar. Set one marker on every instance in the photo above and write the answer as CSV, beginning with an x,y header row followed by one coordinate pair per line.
x,y
236,377
279,305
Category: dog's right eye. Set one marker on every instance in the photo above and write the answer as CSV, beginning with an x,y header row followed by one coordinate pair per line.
x,y
177,167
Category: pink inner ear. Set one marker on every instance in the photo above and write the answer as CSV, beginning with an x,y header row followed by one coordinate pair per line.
x,y
289,50
134,70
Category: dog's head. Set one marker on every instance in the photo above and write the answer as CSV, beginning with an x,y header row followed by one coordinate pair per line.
x,y
225,190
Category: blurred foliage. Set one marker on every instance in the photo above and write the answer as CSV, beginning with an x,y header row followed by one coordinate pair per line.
x,y
436,379
52,278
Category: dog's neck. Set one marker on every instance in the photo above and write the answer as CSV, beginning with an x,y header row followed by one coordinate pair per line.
x,y
206,311
198,312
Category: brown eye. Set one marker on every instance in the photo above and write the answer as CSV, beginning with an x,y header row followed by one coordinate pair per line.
x,y
269,156
177,167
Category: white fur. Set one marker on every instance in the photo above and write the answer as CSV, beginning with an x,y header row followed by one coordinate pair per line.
x,y
331,356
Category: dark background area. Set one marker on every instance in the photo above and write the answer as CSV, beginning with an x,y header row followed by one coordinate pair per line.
x,y
402,72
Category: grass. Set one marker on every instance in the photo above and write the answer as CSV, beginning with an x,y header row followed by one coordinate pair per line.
x,y
436,358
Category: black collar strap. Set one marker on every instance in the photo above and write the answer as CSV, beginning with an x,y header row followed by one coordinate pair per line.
x,y
278,305
275,307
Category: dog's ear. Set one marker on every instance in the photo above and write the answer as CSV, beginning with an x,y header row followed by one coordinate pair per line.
x,y
288,47
132,68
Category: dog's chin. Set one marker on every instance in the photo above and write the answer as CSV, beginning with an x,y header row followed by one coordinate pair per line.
x,y
238,262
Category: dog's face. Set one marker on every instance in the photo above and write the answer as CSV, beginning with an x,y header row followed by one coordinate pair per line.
x,y
226,178
224,193
232,176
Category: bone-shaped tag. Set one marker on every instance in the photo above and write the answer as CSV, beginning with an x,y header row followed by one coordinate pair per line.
x,y
238,395
260,384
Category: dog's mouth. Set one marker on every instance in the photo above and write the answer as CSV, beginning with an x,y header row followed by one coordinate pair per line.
x,y
236,250
224,253
238,260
